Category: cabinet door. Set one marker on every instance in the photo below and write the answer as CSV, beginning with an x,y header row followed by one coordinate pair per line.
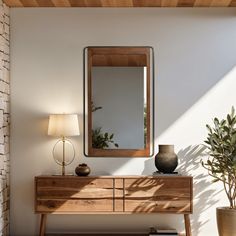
x,y
169,195
74,195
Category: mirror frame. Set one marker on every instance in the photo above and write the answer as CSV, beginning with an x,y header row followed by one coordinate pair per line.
x,y
146,55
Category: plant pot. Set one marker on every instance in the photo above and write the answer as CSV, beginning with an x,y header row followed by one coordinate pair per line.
x,y
226,221
166,160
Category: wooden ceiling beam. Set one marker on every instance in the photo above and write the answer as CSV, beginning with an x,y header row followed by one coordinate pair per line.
x,y
233,3
29,3
61,3
220,3
186,3
120,3
45,3
15,3
169,3
202,3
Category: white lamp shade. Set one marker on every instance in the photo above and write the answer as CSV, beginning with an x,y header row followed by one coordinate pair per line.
x,y
63,125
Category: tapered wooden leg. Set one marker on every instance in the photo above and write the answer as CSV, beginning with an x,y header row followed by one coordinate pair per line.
x,y
42,225
187,225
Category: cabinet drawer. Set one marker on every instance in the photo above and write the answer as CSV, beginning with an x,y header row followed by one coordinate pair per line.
x,y
47,188
73,195
81,205
158,195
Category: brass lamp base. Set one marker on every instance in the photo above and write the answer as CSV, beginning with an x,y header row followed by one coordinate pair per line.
x,y
63,153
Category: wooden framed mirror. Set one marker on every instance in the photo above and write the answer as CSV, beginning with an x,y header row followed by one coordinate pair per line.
x,y
118,101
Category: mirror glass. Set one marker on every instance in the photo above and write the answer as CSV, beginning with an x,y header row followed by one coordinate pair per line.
x,y
118,105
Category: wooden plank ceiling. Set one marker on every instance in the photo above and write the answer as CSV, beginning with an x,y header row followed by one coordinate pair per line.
x,y
121,3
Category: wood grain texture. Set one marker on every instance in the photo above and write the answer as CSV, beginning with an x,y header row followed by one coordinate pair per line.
x,y
158,195
118,195
120,3
61,3
113,195
169,3
146,194
74,194
77,206
77,188
187,225
202,3
186,3
42,228
220,3
14,3
120,60
233,3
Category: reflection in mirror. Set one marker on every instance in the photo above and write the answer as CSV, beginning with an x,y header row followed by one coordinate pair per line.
x,y
123,111
118,101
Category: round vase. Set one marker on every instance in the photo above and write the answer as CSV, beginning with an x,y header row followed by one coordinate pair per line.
x,y
166,160
82,170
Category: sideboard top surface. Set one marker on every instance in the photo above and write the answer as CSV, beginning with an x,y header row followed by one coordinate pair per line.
x,y
114,176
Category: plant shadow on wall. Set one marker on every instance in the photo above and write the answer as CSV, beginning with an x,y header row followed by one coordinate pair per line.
x,y
203,197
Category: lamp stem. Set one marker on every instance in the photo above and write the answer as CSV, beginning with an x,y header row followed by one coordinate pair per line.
x,y
63,156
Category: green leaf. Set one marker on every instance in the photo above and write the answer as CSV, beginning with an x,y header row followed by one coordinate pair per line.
x,y
229,119
216,122
232,112
209,162
223,121
209,128
233,139
207,142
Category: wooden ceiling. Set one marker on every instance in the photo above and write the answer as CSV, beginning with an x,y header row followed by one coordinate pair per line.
x,y
121,3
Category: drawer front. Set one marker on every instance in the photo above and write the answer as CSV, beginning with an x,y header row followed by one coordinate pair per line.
x,y
170,195
74,194
78,205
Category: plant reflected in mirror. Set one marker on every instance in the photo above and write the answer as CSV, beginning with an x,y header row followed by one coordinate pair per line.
x,y
101,140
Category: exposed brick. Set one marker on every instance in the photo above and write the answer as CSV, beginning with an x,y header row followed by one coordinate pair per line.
x,y
6,130
6,158
4,118
1,119
1,136
2,149
6,148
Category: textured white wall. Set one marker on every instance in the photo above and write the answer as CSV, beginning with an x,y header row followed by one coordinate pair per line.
x,y
195,54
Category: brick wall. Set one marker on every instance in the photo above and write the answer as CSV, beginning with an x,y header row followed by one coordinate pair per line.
x,y
4,119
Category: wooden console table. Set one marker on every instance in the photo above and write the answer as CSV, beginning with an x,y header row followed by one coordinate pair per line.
x,y
113,195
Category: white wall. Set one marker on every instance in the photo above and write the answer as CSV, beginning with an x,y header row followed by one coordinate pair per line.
x,y
195,54
120,92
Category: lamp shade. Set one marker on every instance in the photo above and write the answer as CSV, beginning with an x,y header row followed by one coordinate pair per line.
x,y
63,125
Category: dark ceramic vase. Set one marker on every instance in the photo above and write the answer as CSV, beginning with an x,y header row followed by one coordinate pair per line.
x,y
166,160
82,170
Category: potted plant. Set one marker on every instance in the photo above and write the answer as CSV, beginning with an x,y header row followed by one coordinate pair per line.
x,y
221,165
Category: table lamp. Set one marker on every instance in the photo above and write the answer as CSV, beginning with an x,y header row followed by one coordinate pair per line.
x,y
63,125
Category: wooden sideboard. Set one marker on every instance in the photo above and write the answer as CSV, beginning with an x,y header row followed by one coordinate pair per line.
x,y
113,195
